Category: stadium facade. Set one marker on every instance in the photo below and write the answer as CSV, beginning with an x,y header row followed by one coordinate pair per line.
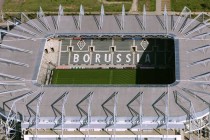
x,y
29,50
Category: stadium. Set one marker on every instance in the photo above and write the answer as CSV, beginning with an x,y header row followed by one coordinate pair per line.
x,y
105,77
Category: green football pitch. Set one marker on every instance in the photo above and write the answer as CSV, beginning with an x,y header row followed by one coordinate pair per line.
x,y
94,76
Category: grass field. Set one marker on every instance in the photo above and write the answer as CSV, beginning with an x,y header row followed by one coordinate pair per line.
x,y
52,5
150,5
72,5
94,5
113,76
194,5
94,76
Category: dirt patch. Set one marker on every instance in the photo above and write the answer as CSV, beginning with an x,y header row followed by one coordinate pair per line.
x,y
147,4
134,7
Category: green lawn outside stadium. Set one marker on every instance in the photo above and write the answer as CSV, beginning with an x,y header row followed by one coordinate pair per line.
x,y
94,5
69,5
73,5
194,5
94,76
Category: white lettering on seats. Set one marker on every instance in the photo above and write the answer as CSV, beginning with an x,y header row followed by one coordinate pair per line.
x,y
107,58
147,59
86,58
119,58
76,58
128,58
98,58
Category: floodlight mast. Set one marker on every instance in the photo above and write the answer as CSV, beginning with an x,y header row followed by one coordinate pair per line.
x,y
144,17
185,13
60,13
141,113
12,84
167,109
199,123
123,18
13,116
205,24
63,112
165,19
13,91
14,34
38,112
89,113
115,112
41,14
137,115
204,62
20,27
192,21
13,62
192,122
14,48
81,13
209,120
102,17
11,77
201,36
203,49
23,15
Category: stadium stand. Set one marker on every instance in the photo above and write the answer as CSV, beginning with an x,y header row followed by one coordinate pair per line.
x,y
123,45
64,60
30,103
80,58
123,58
102,46
77,48
102,58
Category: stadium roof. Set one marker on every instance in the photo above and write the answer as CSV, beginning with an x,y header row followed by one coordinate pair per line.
x,y
21,53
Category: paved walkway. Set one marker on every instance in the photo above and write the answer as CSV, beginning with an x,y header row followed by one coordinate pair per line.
x,y
1,9
158,7
1,4
134,7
